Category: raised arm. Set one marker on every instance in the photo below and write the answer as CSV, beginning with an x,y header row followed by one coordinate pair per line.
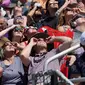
x,y
25,54
31,13
3,32
67,2
66,41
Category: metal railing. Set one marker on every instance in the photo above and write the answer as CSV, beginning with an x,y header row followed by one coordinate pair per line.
x,y
59,55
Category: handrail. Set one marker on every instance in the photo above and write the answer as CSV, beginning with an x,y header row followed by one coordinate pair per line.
x,y
76,80
61,75
59,55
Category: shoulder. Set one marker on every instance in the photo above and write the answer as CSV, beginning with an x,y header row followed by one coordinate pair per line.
x,y
54,51
17,58
79,51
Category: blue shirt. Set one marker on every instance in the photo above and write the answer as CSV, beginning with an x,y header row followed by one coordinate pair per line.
x,y
12,74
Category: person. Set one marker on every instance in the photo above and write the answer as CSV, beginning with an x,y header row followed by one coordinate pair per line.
x,y
78,68
40,14
3,32
18,12
11,67
37,52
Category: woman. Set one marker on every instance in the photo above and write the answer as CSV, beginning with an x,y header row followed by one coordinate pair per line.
x,y
39,10
18,12
43,13
11,68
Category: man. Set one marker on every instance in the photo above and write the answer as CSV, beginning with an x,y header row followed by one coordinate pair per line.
x,y
36,53
78,68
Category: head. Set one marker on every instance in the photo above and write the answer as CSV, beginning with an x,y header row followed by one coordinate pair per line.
x,y
82,40
17,11
3,23
53,3
9,47
52,7
8,50
41,44
17,34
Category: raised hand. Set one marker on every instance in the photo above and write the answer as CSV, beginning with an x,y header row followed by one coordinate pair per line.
x,y
67,2
72,59
50,39
33,41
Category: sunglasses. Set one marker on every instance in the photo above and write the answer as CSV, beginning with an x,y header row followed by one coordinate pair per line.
x,y
18,30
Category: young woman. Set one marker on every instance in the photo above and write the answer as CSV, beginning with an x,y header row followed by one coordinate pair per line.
x,y
11,68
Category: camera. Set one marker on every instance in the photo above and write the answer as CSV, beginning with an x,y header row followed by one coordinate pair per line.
x,y
38,5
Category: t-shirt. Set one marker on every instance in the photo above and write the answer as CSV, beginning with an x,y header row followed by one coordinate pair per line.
x,y
12,74
37,63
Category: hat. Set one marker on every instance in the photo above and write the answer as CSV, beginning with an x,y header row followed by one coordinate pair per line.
x,y
3,40
82,38
41,35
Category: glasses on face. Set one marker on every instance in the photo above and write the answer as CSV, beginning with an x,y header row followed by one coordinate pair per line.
x,y
18,30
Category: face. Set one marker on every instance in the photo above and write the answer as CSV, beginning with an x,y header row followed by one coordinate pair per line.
x,y
41,43
9,47
18,11
18,33
53,3
2,24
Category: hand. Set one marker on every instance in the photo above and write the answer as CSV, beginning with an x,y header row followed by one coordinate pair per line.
x,y
50,39
16,44
33,41
72,59
81,10
67,2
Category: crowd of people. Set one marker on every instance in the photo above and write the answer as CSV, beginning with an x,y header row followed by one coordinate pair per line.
x,y
32,31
